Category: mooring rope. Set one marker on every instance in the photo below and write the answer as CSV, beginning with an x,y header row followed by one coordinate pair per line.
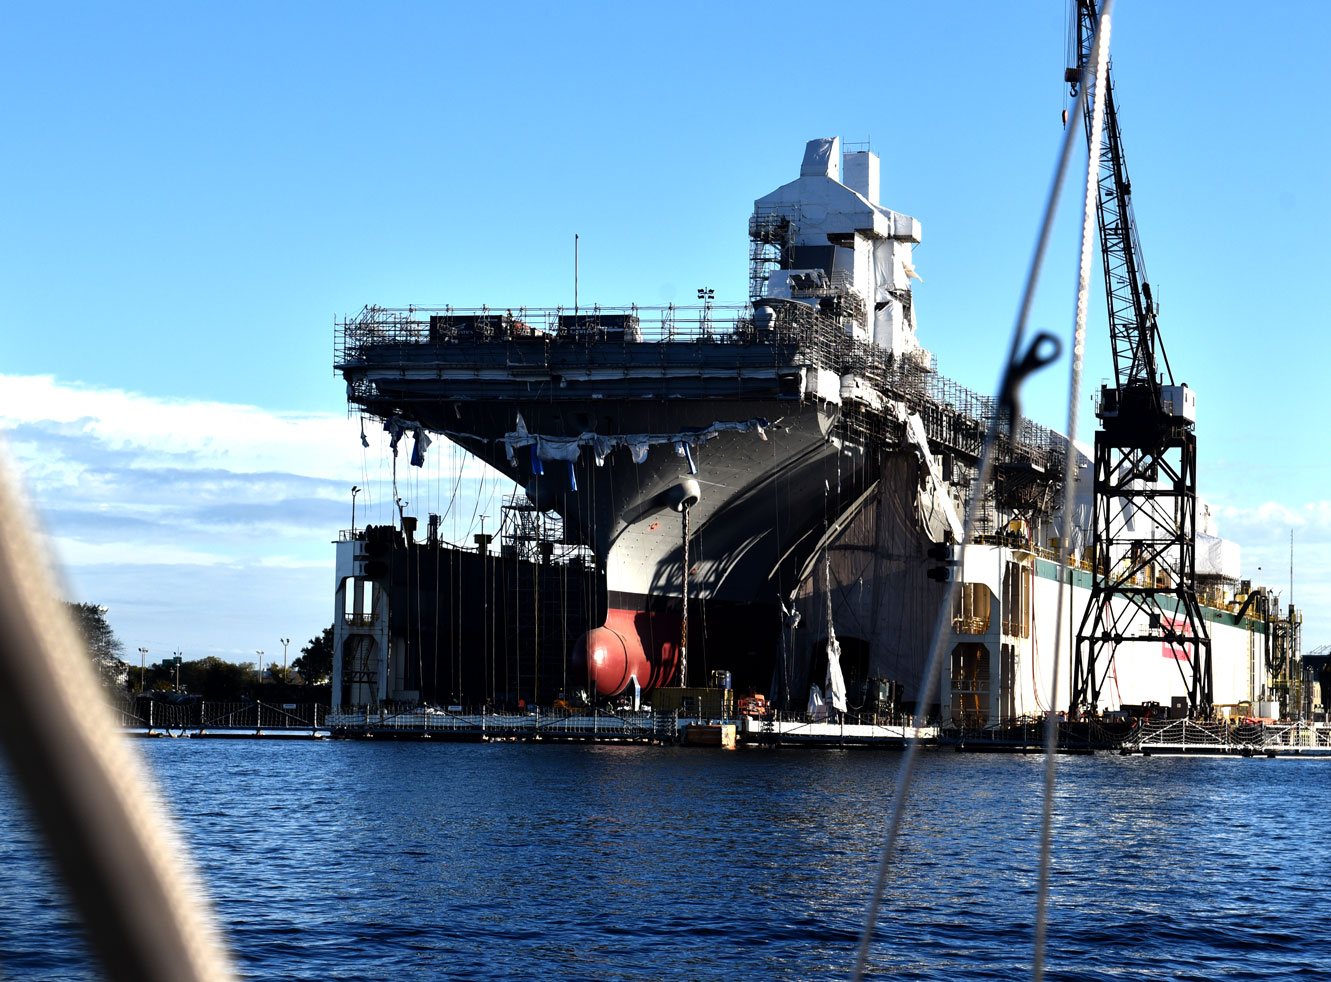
x,y
982,477
1100,60
123,862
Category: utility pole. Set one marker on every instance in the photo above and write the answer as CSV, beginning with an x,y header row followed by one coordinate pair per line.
x,y
258,668
285,642
178,655
143,665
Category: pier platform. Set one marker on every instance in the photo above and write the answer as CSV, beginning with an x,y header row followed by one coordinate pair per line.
x,y
602,726
592,726
809,733
285,721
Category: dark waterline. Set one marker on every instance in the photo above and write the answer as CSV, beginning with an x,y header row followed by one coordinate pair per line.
x,y
343,860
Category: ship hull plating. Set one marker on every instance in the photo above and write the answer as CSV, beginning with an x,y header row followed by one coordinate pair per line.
x,y
758,497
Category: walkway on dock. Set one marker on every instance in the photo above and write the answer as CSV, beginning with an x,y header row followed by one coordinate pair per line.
x,y
1183,736
590,726
143,716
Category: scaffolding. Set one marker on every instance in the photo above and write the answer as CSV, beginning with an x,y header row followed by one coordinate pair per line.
x,y
771,235
535,536
956,418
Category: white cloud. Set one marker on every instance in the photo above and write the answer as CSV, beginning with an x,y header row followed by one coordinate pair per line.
x,y
154,432
293,562
203,524
75,552
1312,519
1263,531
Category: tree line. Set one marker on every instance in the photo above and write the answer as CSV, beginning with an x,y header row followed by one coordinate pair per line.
x,y
210,678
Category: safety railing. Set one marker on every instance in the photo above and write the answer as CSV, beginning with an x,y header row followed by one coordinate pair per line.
x,y
193,714
1183,735
815,338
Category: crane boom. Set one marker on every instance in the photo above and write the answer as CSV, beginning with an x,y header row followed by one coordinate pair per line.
x,y
1132,311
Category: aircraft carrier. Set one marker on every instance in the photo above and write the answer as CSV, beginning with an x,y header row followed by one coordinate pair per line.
x,y
732,470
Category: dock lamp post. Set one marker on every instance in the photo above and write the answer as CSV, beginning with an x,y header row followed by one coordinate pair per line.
x,y
177,656
285,642
143,665
354,491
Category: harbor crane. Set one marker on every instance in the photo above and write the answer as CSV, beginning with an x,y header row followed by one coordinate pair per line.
x,y
1144,537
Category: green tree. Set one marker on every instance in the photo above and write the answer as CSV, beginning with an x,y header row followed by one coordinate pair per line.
x,y
102,644
213,678
315,663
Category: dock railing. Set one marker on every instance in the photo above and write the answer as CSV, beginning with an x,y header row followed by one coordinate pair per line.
x,y
486,724
143,713
1192,736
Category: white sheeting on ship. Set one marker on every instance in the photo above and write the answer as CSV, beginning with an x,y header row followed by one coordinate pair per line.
x,y
1217,557
836,680
873,243
933,476
568,448
817,707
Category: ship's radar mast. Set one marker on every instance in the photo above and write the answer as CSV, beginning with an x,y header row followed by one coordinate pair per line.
x,y
1143,549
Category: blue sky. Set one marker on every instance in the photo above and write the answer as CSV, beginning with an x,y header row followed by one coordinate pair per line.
x,y
194,192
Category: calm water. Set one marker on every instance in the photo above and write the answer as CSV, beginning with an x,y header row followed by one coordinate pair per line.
x,y
341,860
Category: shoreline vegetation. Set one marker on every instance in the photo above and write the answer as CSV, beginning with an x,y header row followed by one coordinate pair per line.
x,y
174,679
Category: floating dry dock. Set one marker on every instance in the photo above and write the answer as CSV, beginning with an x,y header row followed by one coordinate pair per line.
x,y
1178,737
602,726
592,726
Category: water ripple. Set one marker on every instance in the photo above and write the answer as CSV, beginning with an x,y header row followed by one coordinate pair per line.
x,y
355,861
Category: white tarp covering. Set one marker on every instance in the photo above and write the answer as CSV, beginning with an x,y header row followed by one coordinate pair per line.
x,y
817,707
821,209
1217,557
859,172
836,681
822,158
568,448
854,389
934,477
